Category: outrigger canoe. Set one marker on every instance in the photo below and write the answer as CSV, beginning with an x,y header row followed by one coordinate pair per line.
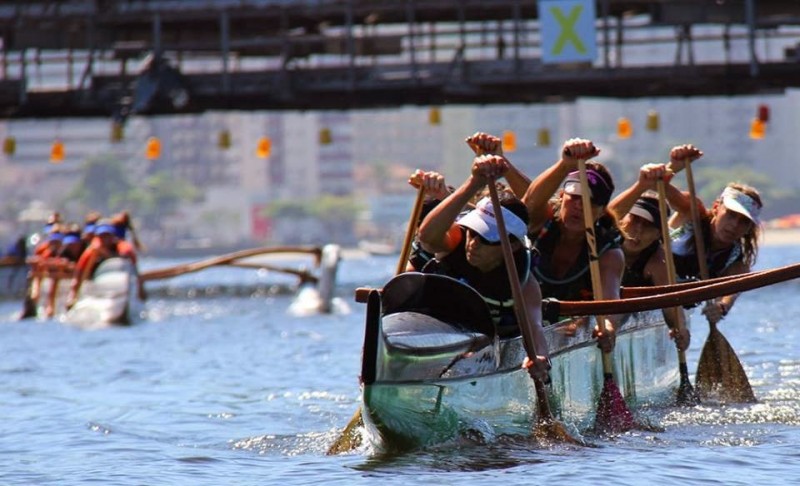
x,y
109,297
435,368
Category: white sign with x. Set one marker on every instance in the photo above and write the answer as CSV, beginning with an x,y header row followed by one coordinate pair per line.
x,y
568,30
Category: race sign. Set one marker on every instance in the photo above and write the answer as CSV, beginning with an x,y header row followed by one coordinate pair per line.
x,y
568,30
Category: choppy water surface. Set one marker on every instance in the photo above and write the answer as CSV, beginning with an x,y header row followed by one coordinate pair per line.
x,y
230,387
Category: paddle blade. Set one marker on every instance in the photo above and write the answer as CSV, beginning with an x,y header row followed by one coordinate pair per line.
x,y
550,431
686,395
613,414
720,373
350,438
547,428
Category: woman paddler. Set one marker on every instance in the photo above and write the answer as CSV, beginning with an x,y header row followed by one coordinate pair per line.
x,y
730,231
468,249
555,207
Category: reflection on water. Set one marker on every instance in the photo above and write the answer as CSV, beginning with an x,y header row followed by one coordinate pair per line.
x,y
214,385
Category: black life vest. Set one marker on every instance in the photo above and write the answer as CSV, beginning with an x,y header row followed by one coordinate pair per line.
x,y
577,283
493,285
634,273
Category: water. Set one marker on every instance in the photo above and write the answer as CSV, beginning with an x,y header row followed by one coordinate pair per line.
x,y
227,388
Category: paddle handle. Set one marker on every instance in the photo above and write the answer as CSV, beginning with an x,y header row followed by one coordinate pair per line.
x,y
699,241
411,231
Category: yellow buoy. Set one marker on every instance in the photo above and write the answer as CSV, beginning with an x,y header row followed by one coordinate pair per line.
x,y
325,137
10,146
434,116
543,137
117,132
653,122
224,139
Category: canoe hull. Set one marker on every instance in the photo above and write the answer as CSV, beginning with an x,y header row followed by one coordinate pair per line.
x,y
461,383
109,298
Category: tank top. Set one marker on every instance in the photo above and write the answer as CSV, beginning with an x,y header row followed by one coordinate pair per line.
x,y
684,254
634,273
577,282
493,285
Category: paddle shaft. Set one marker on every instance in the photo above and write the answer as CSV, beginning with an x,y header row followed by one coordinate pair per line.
x,y
630,292
224,260
520,309
671,273
411,231
700,245
594,261
682,297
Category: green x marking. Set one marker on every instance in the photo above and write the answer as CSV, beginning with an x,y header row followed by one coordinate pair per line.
x,y
568,33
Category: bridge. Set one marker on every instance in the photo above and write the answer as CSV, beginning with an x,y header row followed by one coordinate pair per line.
x,y
115,58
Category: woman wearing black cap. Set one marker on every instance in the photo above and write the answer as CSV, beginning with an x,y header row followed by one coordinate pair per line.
x,y
640,222
559,234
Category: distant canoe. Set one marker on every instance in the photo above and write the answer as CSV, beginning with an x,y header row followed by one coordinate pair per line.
x,y
109,298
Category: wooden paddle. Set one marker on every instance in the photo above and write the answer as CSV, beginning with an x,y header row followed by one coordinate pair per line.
x,y
548,427
613,415
748,281
303,275
226,259
719,369
686,394
350,438
630,292
682,297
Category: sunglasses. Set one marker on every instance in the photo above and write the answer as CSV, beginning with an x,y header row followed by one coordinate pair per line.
x,y
482,240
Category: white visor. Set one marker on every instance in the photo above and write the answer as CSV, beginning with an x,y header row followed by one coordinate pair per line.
x,y
482,221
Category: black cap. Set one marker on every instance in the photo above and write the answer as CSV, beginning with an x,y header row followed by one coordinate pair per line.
x,y
647,207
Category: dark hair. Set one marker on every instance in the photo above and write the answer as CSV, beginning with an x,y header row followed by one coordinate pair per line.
x,y
513,204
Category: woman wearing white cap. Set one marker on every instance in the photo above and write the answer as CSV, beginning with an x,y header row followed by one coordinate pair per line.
x,y
468,249
558,224
730,230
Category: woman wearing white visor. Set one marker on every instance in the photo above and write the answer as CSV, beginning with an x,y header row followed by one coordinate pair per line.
x,y
730,229
468,249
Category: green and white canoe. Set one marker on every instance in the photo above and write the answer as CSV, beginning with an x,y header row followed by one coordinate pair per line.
x,y
435,368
